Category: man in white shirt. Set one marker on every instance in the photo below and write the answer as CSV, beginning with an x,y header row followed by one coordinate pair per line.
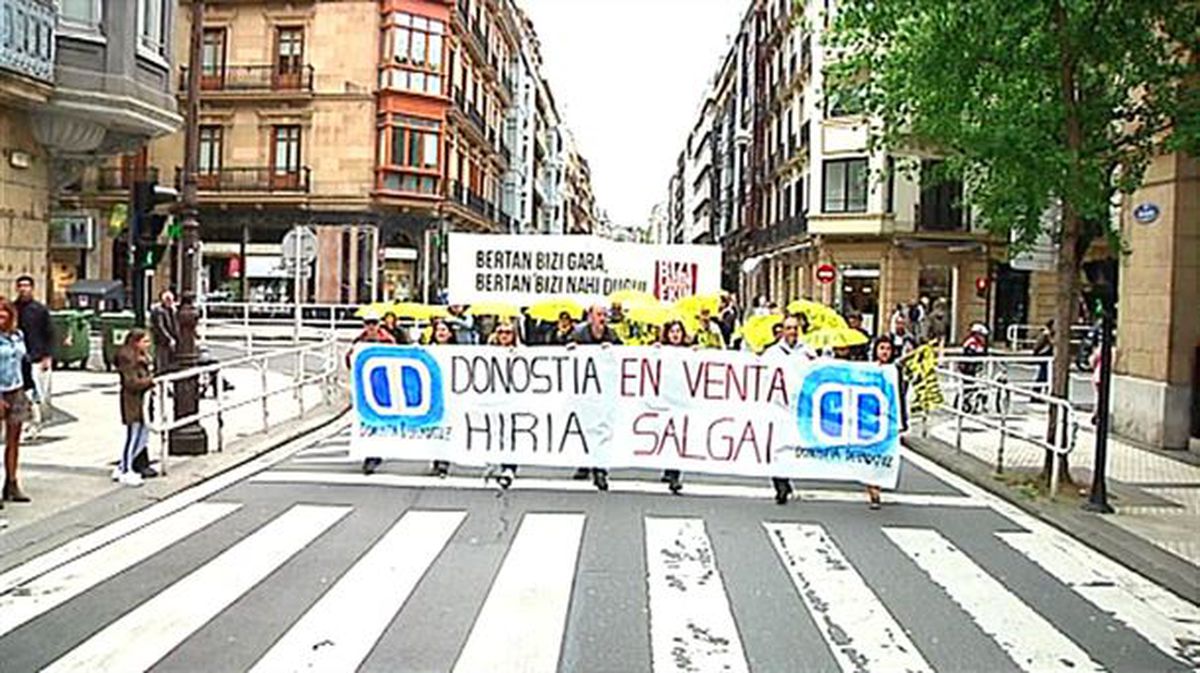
x,y
788,346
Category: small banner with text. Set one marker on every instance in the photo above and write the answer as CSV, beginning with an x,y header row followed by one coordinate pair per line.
x,y
716,412
524,269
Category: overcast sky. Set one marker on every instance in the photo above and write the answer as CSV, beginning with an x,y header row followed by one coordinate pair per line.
x,y
628,77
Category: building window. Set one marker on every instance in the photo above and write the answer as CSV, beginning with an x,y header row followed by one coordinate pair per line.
x,y
410,154
845,186
84,14
210,150
413,53
285,157
289,57
212,58
151,31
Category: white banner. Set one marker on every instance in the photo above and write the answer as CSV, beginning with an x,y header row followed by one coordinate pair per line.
x,y
524,269
717,412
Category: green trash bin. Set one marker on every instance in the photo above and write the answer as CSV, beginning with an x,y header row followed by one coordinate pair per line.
x,y
72,342
113,328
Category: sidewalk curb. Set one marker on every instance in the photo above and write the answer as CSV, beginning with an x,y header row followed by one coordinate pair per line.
x,y
1091,529
29,541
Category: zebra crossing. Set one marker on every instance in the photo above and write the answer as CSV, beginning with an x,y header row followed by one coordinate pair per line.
x,y
1019,600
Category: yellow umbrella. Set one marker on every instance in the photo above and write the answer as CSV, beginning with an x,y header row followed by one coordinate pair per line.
x,y
417,311
694,304
631,298
548,310
375,310
845,337
496,308
653,314
819,316
757,331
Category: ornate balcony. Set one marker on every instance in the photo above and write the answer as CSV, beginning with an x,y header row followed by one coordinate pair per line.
x,y
27,38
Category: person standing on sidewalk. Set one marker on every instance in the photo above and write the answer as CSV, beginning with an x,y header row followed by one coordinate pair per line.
x,y
14,405
34,319
133,363
164,321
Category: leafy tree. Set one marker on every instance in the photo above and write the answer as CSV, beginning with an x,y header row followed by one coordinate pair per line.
x,y
1036,105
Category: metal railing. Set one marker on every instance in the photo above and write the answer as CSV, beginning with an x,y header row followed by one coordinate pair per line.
x,y
251,179
1023,337
329,317
159,407
967,398
253,78
1004,369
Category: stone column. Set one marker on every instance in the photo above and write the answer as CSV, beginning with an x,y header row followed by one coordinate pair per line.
x,y
1158,328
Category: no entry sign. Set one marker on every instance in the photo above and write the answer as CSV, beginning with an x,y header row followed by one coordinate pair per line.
x,y
826,273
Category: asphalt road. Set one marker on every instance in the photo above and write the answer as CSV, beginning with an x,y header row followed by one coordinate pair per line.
x,y
300,562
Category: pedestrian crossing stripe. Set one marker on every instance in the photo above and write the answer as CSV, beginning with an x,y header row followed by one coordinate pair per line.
x,y
856,626
338,632
521,624
1033,643
692,621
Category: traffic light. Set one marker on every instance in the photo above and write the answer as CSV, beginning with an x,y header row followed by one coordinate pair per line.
x,y
981,287
146,226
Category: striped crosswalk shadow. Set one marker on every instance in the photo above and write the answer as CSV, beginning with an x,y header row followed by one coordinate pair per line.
x,y
519,620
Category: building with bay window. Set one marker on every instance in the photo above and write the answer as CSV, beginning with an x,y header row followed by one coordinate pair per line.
x,y
381,124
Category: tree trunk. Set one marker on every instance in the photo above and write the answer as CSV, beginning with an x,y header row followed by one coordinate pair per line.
x,y
1069,255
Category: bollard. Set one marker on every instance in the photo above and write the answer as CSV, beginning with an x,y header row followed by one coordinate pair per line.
x,y
262,373
1003,434
220,385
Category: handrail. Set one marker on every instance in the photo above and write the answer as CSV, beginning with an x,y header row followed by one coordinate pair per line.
x,y
161,416
1018,336
1066,418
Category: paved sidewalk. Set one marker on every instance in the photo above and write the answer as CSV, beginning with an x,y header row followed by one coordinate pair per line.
x,y
1157,497
70,465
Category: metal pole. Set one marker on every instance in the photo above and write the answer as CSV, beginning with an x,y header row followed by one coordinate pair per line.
x,y
1098,500
296,248
190,439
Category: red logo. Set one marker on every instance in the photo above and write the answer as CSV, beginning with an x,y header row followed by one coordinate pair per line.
x,y
826,273
675,280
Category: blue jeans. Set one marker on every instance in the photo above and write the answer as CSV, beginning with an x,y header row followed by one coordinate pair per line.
x,y
137,436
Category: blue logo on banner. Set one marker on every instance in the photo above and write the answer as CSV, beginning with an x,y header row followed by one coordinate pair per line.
x,y
398,387
846,406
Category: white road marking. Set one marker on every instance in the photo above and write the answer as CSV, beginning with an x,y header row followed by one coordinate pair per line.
x,y
709,490
340,629
520,627
1167,622
856,625
1033,643
140,638
691,625
69,551
67,581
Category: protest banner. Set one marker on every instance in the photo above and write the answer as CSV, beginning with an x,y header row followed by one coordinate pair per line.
x,y
523,269
716,412
921,367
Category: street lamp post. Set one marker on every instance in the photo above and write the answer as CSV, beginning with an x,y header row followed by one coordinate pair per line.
x,y
190,439
1098,499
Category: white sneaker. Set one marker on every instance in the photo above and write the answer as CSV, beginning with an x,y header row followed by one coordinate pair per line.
x,y
116,474
131,478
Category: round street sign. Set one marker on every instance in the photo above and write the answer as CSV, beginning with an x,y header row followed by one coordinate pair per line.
x,y
826,273
299,244
1146,213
